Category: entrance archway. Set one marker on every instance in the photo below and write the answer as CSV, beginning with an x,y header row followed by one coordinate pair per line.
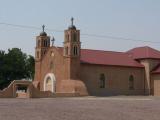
x,y
22,91
50,82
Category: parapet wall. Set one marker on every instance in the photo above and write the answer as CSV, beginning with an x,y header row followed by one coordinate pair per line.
x,y
32,91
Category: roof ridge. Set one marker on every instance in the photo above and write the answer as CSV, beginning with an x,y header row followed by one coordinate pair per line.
x,y
147,51
146,47
97,50
156,67
143,47
102,50
113,58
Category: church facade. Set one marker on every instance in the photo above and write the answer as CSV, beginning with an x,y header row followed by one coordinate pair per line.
x,y
72,70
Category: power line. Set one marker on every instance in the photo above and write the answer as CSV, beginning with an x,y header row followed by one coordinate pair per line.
x,y
21,26
89,35
29,27
119,38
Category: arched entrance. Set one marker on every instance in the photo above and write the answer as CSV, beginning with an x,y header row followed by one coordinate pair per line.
x,y
50,82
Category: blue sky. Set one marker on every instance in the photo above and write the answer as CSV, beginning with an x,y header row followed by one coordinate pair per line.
x,y
136,19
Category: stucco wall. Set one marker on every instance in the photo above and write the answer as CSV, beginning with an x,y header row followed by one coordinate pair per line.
x,y
149,64
52,56
156,84
117,79
32,92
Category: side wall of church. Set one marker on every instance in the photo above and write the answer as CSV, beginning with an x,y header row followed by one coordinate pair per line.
x,y
116,79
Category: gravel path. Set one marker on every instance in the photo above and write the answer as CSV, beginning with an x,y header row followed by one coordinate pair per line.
x,y
83,108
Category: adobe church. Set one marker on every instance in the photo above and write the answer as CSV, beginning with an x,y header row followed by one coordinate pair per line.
x,y
72,70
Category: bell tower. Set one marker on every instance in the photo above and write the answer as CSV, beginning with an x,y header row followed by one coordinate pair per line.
x,y
71,51
42,44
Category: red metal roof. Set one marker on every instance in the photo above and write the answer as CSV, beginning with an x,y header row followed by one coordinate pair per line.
x,y
156,70
100,57
144,52
108,58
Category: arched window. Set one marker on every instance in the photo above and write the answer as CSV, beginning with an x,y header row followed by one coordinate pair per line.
x,y
66,50
67,38
102,81
75,50
48,84
48,42
74,37
131,82
38,43
42,43
37,54
45,43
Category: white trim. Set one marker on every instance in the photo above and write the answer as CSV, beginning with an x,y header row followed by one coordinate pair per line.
x,y
51,75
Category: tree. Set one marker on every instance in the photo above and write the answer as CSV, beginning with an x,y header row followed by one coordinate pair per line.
x,y
15,65
2,54
30,65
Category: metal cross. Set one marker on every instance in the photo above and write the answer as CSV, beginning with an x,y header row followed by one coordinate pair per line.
x,y
72,19
43,26
53,41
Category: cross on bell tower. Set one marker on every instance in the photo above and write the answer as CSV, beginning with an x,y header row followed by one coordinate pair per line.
x,y
43,26
52,41
42,44
72,41
72,19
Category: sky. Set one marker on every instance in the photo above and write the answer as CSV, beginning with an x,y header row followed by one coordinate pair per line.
x,y
133,19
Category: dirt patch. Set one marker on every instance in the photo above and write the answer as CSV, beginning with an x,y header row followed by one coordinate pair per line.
x,y
81,108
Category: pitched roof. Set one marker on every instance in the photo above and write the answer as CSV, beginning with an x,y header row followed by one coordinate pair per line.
x,y
100,57
108,58
156,70
144,52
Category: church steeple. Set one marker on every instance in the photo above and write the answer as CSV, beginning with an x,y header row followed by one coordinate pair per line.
x,y
42,44
72,44
72,25
43,33
71,51
43,26
72,21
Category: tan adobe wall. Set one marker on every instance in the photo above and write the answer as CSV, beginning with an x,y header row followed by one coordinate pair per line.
x,y
37,75
156,84
32,92
10,91
7,92
149,65
41,94
117,79
76,87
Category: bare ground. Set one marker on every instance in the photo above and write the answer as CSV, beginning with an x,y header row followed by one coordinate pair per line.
x,y
81,108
